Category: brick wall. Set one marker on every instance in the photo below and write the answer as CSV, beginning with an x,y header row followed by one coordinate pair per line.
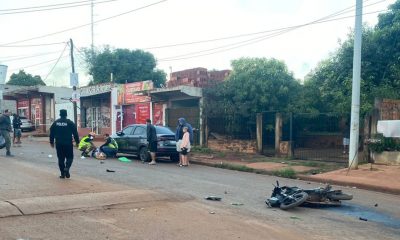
x,y
244,146
389,109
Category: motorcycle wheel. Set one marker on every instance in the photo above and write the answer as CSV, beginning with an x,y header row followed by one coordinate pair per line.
x,y
296,200
338,195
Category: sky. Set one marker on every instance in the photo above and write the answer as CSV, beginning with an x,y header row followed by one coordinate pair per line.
x,y
245,28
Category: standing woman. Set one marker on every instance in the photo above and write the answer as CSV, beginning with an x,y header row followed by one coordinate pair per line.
x,y
179,136
185,147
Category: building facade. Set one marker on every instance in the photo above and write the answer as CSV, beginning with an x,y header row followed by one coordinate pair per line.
x,y
197,77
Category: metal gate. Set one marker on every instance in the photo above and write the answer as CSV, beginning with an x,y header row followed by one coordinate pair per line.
x,y
191,115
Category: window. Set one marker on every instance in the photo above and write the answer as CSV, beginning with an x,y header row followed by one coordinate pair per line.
x,y
128,131
140,131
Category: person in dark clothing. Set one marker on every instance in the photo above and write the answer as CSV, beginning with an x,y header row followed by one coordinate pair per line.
x,y
152,140
62,131
17,129
179,135
110,147
5,129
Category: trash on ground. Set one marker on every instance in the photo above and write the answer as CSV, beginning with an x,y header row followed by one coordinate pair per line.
x,y
363,219
50,156
108,170
212,212
124,159
101,162
296,218
376,205
237,204
213,198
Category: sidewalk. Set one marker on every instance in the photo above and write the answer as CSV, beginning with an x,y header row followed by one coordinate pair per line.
x,y
381,178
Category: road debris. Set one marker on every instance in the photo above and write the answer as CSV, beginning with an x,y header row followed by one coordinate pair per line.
x,y
108,170
124,159
237,204
295,218
376,205
50,156
102,162
363,219
213,198
212,212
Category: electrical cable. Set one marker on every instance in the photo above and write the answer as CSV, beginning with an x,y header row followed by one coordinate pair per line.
x,y
36,64
62,53
84,25
52,8
348,9
20,57
33,45
250,41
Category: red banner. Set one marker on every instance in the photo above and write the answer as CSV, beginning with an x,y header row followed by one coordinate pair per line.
x,y
142,111
24,103
158,114
132,89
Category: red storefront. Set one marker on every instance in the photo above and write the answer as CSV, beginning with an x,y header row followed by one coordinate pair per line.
x,y
134,103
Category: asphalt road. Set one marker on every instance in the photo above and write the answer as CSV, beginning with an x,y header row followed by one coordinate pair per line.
x,y
196,182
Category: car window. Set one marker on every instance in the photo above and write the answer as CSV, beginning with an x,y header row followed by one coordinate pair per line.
x,y
163,130
127,131
139,131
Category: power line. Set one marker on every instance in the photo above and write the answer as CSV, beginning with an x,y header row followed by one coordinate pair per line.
x,y
62,53
33,45
84,25
248,42
26,57
346,10
37,64
49,7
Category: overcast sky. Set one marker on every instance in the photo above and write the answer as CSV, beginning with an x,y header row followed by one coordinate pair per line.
x,y
173,22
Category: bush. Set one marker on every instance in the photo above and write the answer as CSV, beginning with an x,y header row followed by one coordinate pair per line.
x,y
379,143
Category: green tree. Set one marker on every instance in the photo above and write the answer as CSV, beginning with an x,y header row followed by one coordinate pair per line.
x,y
329,86
126,66
25,79
254,85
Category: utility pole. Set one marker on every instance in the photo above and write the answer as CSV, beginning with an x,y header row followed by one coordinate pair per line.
x,y
92,20
355,97
73,87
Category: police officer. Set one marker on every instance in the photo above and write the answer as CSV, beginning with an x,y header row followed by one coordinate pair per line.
x,y
62,130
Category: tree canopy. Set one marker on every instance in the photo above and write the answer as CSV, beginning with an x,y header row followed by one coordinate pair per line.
x,y
328,87
126,66
25,79
254,85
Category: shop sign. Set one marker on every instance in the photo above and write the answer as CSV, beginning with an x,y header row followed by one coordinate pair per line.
x,y
142,111
23,103
158,114
95,89
132,92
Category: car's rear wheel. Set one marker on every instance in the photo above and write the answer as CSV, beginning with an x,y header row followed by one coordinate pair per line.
x,y
144,156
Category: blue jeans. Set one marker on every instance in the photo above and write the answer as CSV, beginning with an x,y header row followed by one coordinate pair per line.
x,y
110,152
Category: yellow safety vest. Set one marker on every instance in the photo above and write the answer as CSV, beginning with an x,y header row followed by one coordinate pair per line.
x,y
83,144
113,144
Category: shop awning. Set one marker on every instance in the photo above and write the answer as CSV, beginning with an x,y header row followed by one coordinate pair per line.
x,y
160,94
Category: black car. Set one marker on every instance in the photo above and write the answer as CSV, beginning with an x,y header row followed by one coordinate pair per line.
x,y
133,140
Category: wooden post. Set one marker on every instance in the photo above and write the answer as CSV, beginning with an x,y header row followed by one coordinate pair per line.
x,y
278,131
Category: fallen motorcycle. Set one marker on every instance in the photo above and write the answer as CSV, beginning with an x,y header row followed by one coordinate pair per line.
x,y
286,197
323,196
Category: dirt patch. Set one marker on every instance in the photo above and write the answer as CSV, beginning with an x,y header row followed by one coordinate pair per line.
x,y
273,166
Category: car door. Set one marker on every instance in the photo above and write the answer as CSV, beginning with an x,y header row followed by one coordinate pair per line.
x,y
139,138
123,139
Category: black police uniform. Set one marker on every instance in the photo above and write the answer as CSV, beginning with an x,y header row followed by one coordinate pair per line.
x,y
62,130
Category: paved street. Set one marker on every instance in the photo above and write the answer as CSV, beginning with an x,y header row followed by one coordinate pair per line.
x,y
168,203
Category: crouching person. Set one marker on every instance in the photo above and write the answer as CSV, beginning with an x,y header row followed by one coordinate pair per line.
x,y
86,144
110,147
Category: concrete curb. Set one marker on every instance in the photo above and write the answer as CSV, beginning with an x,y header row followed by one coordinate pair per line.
x,y
322,180
50,204
351,184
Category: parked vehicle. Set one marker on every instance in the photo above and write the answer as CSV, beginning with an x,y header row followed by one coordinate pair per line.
x,y
324,196
133,140
27,124
286,197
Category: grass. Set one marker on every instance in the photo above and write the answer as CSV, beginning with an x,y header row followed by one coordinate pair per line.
x,y
199,149
236,167
285,172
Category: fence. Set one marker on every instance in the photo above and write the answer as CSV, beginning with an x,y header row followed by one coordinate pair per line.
x,y
305,135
